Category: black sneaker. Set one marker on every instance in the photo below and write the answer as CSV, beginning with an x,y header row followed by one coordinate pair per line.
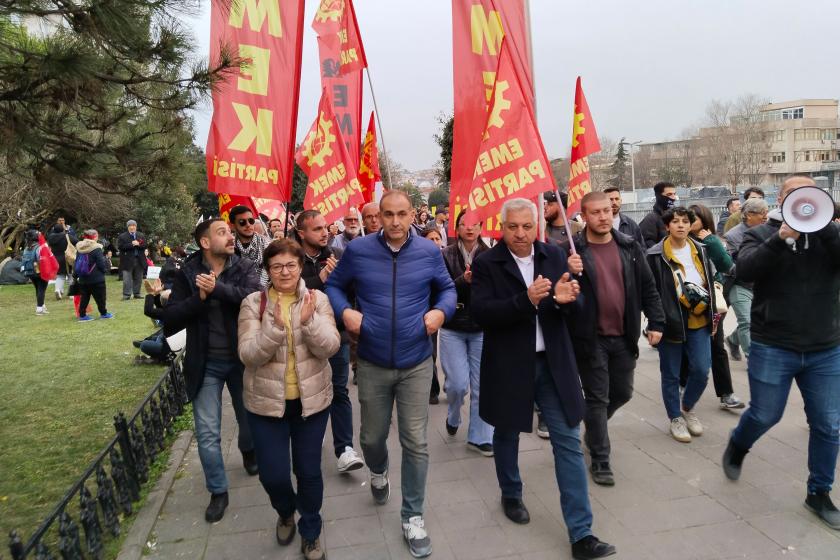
x,y
822,506
485,449
380,488
733,457
216,509
590,547
451,430
249,461
602,473
542,427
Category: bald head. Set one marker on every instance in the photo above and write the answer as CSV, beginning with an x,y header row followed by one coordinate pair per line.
x,y
793,183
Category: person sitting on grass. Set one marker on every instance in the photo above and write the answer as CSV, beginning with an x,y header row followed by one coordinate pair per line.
x,y
90,269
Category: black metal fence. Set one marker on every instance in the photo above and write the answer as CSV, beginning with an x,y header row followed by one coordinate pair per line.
x,y
111,484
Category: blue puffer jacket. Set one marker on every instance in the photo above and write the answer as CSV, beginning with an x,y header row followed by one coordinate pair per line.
x,y
393,292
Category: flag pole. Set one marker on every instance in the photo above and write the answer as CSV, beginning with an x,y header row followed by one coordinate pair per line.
x,y
286,224
540,200
381,133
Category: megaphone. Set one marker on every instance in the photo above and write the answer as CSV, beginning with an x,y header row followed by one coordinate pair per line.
x,y
808,209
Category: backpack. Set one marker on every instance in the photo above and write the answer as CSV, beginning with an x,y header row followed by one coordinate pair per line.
x,y
29,262
84,265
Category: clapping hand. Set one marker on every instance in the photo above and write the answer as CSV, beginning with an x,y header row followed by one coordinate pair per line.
x,y
329,266
307,310
566,290
206,283
468,275
539,289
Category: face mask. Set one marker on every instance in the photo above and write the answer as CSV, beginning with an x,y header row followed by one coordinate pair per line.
x,y
664,202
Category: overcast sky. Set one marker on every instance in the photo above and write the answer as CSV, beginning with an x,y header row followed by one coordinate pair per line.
x,y
649,67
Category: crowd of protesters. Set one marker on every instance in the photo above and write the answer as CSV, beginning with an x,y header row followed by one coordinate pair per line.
x,y
281,313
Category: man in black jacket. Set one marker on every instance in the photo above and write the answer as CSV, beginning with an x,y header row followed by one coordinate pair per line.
x,y
131,245
621,222
317,266
652,226
521,290
205,300
617,285
795,336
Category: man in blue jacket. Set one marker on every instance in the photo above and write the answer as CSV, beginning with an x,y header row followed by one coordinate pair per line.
x,y
404,294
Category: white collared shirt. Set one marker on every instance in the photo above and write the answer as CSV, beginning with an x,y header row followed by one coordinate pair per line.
x,y
526,269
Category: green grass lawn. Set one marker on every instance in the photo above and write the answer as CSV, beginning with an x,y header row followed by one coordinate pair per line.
x,y
62,381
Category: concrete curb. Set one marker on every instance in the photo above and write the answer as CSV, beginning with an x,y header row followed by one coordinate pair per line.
x,y
144,522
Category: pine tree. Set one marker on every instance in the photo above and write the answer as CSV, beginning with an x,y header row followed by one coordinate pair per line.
x,y
619,166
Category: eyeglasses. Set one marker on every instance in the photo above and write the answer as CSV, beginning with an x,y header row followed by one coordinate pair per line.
x,y
243,221
292,267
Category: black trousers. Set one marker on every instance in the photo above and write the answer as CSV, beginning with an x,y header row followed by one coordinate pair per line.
x,y
98,292
40,289
721,376
607,378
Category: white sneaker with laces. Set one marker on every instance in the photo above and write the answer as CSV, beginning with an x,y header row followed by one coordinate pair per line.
x,y
692,423
349,460
414,531
679,430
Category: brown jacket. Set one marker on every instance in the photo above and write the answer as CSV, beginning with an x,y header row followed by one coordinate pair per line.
x,y
263,348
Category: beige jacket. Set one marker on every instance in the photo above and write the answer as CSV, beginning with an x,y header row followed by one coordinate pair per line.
x,y
263,348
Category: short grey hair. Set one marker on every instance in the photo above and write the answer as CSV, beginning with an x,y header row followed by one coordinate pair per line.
x,y
517,205
753,206
130,223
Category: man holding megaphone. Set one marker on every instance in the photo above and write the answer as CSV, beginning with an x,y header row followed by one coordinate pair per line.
x,y
794,263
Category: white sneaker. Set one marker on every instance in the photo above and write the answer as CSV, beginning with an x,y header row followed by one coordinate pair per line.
x,y
419,543
349,460
693,424
679,430
41,311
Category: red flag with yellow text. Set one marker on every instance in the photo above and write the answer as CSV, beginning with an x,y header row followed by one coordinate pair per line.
x,y
252,135
584,142
511,160
335,22
477,30
369,172
333,184
228,201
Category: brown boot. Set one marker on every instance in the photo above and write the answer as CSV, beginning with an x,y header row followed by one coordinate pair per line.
x,y
312,550
285,530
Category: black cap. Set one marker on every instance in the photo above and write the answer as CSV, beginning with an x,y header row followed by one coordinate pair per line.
x,y
550,196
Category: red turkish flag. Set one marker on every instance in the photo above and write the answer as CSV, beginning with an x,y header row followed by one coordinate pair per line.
x,y
369,172
584,142
477,30
511,160
335,22
333,183
252,136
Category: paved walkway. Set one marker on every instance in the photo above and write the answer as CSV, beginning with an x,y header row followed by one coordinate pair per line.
x,y
671,500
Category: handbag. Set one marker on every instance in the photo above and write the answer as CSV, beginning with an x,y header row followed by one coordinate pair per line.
x,y
720,300
47,264
75,288
69,253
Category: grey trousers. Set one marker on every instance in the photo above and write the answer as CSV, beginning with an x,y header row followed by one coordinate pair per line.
x,y
378,389
132,281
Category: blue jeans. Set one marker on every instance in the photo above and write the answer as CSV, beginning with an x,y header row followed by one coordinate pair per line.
x,y
740,298
207,414
379,387
698,351
771,372
341,411
272,438
569,467
460,356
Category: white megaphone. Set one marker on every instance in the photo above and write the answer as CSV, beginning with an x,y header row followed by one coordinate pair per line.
x,y
808,209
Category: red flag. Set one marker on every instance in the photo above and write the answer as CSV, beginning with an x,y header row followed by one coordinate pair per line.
x,y
346,95
228,201
584,142
335,22
333,183
478,27
511,161
369,172
252,135
272,209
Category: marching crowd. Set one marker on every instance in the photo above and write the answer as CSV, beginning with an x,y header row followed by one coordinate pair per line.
x,y
522,327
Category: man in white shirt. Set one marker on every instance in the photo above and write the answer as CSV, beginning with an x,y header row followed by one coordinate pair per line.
x,y
521,289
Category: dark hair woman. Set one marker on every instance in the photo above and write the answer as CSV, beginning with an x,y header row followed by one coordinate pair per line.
x,y
286,336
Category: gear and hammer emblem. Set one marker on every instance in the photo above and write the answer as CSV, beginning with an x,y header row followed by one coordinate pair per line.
x,y
318,144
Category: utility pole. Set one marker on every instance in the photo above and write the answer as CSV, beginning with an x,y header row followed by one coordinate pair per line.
x,y
632,166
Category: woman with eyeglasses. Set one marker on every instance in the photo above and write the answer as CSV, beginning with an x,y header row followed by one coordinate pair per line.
x,y
286,336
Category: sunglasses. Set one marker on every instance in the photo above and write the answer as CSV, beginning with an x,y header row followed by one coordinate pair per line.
x,y
243,221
